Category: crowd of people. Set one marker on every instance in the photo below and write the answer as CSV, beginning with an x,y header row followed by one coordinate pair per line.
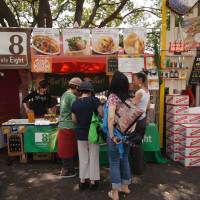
x,y
77,106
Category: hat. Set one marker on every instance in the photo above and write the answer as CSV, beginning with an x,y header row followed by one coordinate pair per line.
x,y
75,81
86,85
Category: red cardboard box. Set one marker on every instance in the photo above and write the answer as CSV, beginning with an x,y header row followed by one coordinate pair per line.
x,y
177,100
174,109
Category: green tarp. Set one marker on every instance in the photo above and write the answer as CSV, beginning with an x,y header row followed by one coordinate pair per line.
x,y
40,139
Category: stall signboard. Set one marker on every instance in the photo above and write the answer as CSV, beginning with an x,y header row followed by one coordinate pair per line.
x,y
46,41
58,83
181,7
195,73
134,41
192,33
133,65
40,139
14,48
105,41
76,41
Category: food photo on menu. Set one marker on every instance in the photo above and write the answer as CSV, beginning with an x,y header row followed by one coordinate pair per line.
x,y
134,41
46,41
105,41
76,41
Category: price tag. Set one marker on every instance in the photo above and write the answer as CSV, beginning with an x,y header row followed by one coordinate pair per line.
x,y
14,48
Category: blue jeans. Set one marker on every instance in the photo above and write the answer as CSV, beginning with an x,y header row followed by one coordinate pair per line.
x,y
119,168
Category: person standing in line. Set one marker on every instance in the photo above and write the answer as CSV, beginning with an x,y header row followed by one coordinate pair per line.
x,y
67,142
141,100
82,111
40,100
119,167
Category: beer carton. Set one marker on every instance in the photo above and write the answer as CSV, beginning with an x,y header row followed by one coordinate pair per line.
x,y
191,130
177,100
177,119
174,109
190,161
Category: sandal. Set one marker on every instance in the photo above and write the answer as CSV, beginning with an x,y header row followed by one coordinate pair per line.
x,y
110,195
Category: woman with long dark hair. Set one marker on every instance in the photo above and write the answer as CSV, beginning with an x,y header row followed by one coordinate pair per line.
x,y
119,167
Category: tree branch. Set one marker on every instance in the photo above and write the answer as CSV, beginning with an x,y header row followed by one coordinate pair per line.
x,y
7,14
16,11
142,9
60,9
93,14
79,11
114,14
2,22
44,14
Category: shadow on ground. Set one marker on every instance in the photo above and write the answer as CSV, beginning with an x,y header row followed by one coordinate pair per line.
x,y
39,180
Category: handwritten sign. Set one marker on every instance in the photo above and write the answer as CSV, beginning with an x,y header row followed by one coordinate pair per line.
x,y
195,74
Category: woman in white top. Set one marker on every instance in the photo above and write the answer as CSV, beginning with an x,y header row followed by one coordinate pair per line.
x,y
142,100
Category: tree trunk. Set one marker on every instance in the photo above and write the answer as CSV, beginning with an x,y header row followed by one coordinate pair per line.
x,y
79,11
44,14
7,15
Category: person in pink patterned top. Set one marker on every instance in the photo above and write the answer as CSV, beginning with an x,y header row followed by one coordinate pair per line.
x,y
119,167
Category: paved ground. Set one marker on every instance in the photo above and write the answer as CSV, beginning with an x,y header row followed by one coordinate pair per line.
x,y
40,181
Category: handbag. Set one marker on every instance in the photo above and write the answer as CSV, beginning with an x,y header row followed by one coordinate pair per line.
x,y
96,135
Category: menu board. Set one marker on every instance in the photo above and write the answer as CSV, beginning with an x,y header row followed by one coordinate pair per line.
x,y
46,41
133,65
195,73
134,41
181,7
59,82
112,65
192,33
76,41
14,48
105,41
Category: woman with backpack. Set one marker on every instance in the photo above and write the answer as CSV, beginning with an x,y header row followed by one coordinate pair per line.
x,y
119,167
82,111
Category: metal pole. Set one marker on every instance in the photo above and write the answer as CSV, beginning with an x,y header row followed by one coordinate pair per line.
x,y
163,56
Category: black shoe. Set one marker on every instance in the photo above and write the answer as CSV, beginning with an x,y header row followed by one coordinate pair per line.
x,y
67,174
83,186
94,186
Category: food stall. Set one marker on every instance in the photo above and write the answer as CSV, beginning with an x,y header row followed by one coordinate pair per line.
x,y
57,55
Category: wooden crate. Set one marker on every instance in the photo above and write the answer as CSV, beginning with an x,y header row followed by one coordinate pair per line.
x,y
42,156
15,144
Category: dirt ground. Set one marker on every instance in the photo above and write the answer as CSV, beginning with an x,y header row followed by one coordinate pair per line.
x,y
39,180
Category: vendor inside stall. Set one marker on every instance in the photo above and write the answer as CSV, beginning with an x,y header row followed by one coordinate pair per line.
x,y
38,101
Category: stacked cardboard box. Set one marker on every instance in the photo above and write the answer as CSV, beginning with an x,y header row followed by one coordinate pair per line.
x,y
176,115
183,131
189,145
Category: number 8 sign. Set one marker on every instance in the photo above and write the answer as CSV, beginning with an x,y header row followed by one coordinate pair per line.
x,y
14,48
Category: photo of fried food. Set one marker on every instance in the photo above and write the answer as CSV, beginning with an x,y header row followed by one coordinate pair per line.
x,y
45,45
105,45
133,44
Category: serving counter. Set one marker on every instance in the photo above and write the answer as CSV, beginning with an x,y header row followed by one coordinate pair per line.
x,y
24,137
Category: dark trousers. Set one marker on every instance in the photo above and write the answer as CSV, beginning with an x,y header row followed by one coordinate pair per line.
x,y
68,164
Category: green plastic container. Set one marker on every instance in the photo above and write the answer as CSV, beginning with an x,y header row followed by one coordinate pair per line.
x,y
103,155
